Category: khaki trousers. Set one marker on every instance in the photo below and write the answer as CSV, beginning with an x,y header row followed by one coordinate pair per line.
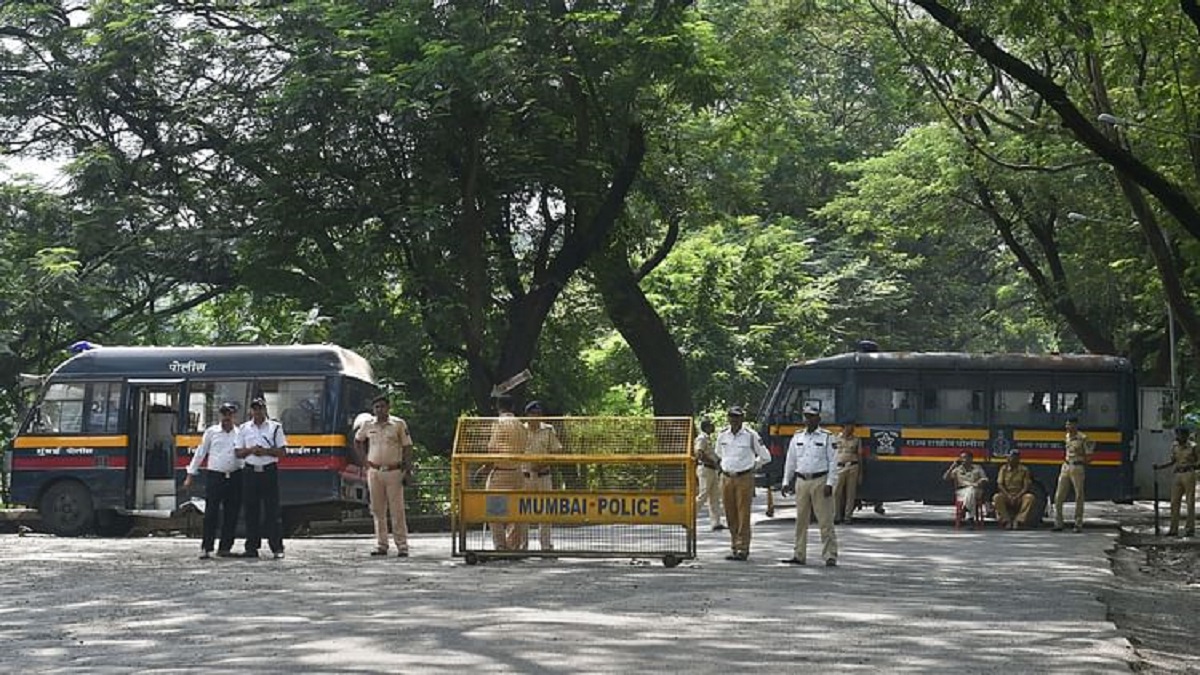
x,y
810,498
544,483
738,492
387,494
508,536
709,492
1184,486
1069,477
1005,507
846,491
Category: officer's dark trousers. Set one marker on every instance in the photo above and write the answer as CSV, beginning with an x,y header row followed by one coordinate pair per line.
x,y
261,497
222,503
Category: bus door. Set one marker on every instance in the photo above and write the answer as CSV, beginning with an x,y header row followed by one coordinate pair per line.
x,y
154,414
1156,419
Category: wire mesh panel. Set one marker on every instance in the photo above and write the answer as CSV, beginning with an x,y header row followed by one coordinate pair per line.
x,y
573,486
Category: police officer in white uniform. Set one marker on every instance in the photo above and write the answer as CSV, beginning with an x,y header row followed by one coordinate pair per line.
x,y
222,481
810,471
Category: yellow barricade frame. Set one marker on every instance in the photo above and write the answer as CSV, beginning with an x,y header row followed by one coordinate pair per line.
x,y
618,487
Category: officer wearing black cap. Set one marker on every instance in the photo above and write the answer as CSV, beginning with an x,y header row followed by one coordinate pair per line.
x,y
741,451
262,443
222,481
1185,459
543,440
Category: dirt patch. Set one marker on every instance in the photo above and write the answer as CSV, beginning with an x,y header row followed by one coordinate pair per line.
x,y
1155,600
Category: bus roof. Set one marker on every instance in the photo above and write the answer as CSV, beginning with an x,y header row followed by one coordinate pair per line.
x,y
208,362
966,361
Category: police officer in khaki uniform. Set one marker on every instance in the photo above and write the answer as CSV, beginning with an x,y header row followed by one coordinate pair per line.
x,y
1185,459
708,473
811,471
968,481
388,448
543,440
1013,500
509,436
849,463
1077,450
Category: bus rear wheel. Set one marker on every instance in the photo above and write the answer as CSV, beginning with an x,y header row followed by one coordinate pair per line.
x,y
66,509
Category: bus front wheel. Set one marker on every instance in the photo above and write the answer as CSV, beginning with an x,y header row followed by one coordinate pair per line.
x,y
66,509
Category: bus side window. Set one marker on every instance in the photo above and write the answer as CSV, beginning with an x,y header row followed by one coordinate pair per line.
x,y
62,409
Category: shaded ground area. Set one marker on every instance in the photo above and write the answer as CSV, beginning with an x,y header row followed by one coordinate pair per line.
x,y
909,595
1155,598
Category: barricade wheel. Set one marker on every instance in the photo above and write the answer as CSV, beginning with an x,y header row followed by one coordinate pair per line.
x,y
671,560
471,558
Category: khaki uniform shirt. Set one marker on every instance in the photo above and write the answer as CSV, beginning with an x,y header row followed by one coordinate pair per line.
x,y
385,442
543,441
1013,481
703,447
1077,449
509,436
1185,455
848,449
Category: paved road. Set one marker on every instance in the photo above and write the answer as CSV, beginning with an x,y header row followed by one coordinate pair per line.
x,y
912,596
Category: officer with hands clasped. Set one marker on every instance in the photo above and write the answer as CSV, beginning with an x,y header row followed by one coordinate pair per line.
x,y
261,443
811,471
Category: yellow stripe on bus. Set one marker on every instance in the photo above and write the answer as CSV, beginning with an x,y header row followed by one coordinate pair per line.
x,y
1058,436
115,441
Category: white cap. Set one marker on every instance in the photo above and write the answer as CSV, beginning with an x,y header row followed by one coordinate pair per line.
x,y
811,409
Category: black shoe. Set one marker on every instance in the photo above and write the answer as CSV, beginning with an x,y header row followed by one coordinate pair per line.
x,y
793,561
379,552
277,555
879,509
838,520
1056,528
743,556
402,554
832,562
205,555
733,556
226,554
718,527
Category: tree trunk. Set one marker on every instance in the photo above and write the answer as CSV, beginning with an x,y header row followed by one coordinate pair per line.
x,y
644,331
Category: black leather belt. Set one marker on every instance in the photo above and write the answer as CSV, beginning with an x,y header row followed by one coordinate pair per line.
x,y
1074,463
811,476
738,474
710,466
842,464
227,474
1184,469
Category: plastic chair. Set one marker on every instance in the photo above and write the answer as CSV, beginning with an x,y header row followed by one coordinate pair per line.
x,y
959,509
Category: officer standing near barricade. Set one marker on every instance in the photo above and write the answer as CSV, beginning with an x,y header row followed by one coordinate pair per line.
x,y
811,471
708,473
1077,449
508,436
539,477
261,443
849,459
741,451
222,481
1185,458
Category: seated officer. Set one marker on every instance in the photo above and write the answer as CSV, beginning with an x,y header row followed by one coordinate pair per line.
x,y
968,481
1012,493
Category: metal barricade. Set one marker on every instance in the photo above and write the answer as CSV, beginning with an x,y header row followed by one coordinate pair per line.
x,y
573,487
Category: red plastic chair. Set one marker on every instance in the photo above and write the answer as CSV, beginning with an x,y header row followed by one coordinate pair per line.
x,y
959,509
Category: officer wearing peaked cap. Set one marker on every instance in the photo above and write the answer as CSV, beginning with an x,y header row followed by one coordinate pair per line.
x,y
1184,458
811,471
741,451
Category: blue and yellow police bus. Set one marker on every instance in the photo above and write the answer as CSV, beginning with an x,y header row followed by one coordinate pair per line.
x,y
916,412
112,429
